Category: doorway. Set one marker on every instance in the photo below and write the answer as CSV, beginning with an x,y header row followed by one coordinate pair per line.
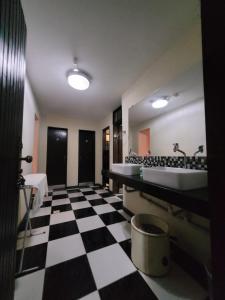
x,y
105,156
144,142
86,170
57,156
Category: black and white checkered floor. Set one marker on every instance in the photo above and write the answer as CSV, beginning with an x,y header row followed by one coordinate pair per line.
x,y
85,253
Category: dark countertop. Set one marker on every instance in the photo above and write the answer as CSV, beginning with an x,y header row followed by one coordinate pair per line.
x,y
195,201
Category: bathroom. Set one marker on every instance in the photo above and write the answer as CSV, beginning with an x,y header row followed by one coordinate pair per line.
x,y
144,103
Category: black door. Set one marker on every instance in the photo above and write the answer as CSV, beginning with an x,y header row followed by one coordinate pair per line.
x,y
57,156
117,143
12,72
86,156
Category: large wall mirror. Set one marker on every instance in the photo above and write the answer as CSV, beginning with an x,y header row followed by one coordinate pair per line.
x,y
153,131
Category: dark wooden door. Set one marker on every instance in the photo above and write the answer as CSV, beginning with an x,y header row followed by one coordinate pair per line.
x,y
86,169
213,25
57,156
105,155
12,72
117,143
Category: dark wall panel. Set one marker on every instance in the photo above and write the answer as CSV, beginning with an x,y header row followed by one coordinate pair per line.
x,y
12,70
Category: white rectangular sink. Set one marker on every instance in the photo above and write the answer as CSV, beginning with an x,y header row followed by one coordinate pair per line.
x,y
126,169
177,178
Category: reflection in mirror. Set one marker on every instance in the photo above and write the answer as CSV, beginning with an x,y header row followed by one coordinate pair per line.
x,y
153,131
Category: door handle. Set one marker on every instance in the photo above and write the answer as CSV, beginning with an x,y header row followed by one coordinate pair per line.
x,y
27,158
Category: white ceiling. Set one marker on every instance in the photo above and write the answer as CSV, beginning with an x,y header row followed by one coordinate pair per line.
x,y
114,40
189,87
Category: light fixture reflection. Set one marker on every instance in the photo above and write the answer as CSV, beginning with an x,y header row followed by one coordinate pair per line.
x,y
160,103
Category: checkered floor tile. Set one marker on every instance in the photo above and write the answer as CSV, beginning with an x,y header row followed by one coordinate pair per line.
x,y
83,252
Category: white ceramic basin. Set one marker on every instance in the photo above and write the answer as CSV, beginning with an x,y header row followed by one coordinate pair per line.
x,y
177,178
126,169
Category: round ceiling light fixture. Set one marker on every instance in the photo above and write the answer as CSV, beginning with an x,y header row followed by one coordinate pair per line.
x,y
160,103
77,78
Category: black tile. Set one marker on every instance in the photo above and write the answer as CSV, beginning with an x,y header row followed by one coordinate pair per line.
x,y
73,191
49,193
97,202
120,196
112,217
126,245
59,189
107,194
63,196
131,287
84,212
62,229
117,205
97,238
63,207
98,187
72,279
46,203
40,221
89,193
34,256
78,199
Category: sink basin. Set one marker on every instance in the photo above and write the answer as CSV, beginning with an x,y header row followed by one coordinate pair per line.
x,y
126,169
177,178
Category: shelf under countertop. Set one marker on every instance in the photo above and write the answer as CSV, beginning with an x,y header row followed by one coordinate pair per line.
x,y
195,201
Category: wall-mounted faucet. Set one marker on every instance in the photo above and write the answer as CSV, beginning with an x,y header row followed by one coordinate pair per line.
x,y
200,150
176,149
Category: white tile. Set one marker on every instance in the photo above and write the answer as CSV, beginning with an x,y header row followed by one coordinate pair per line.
x,y
112,199
109,264
175,285
64,216
124,214
120,231
102,209
101,191
86,190
92,197
37,238
60,201
92,296
64,249
79,205
89,223
30,286
42,211
76,194
59,192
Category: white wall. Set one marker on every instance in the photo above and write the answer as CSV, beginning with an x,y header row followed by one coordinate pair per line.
x,y
185,125
183,54
29,110
73,125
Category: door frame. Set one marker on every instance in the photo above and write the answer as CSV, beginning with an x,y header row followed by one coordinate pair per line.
x,y
103,131
93,131
59,128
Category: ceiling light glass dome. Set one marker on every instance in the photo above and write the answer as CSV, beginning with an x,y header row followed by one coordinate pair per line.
x,y
78,79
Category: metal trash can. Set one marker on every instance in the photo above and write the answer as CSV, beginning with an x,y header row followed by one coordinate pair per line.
x,y
150,248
